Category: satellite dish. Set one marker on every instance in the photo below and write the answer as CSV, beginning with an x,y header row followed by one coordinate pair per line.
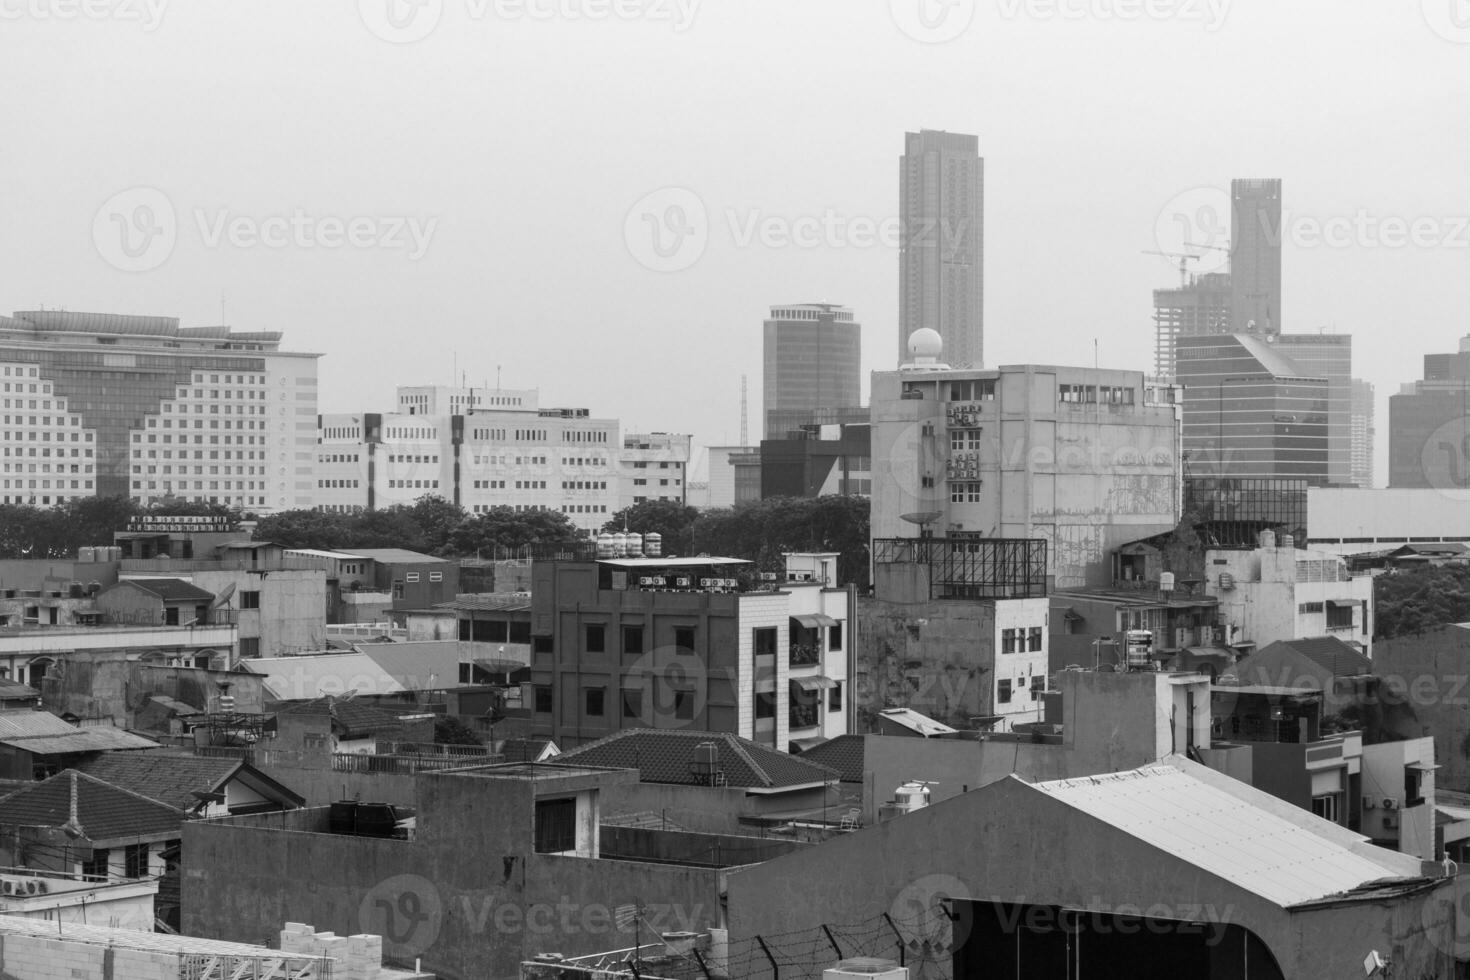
x,y
223,597
923,517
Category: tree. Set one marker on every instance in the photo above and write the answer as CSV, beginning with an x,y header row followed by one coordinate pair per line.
x,y
436,519
500,531
763,530
313,529
1412,600
450,730
670,519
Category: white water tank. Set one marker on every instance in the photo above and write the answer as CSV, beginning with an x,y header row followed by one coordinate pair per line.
x,y
1166,581
653,545
634,542
911,796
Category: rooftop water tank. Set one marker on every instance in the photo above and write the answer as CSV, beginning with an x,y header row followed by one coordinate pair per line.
x,y
653,545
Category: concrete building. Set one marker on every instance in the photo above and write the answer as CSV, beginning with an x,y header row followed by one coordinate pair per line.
x,y
720,474
811,354
818,461
1199,307
653,466
955,629
137,406
1429,425
1250,411
690,643
1075,456
520,846
1255,255
1237,878
941,256
1362,435
1329,355
1351,521
1280,592
482,449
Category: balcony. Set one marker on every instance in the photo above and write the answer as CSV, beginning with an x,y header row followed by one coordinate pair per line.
x,y
804,655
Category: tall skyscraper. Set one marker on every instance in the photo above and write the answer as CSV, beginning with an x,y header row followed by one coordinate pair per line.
x,y
1362,433
1429,425
137,406
1330,356
1255,255
1200,306
941,193
1249,411
812,354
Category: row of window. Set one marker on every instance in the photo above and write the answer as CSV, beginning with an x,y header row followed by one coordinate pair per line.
x,y
337,484
1095,394
1005,688
1025,639
213,424
414,484
46,453
584,508
43,468
965,492
46,485
199,440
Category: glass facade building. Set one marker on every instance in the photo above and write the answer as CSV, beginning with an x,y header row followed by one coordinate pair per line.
x,y
811,359
1255,255
1250,412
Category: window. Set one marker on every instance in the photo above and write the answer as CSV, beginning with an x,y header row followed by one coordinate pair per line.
x,y
834,636
411,577
556,826
684,639
96,865
632,703
1325,806
1003,695
1033,639
632,639
1038,684
765,704
765,641
1339,615
250,600
1010,641
542,696
249,646
684,705
1413,786
596,639
965,493
436,576
592,698
834,697
135,861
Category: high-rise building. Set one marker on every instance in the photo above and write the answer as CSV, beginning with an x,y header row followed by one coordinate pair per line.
x,y
1201,306
107,404
1328,355
1080,457
1255,255
812,354
654,466
1250,411
1361,467
1429,425
941,254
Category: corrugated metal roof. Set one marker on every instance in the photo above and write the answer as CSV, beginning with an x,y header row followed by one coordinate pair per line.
x,y
1281,861
43,733
911,719
317,553
389,556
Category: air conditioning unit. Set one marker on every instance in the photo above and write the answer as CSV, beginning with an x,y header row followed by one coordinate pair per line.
x,y
1369,802
1390,822
1389,803
8,887
37,887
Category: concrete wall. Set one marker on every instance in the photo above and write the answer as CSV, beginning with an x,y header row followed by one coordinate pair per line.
x,y
292,615
936,657
1425,690
469,896
988,846
709,809
56,958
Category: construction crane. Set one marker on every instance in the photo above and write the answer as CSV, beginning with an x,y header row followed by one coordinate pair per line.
x,y
1183,257
1218,248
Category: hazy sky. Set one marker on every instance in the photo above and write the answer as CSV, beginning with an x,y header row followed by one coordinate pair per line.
x,y
398,185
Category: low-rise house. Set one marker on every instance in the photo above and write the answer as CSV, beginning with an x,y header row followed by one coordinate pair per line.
x,y
37,744
156,602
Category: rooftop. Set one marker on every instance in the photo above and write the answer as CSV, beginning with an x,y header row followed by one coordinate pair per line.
x,y
42,733
668,756
1284,858
844,754
89,809
916,722
174,777
397,556
488,601
170,589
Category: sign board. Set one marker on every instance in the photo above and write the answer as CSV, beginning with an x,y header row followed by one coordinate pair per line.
x,y
166,524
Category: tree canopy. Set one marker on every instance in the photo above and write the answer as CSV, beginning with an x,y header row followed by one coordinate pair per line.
x,y
671,520
763,530
1411,600
57,532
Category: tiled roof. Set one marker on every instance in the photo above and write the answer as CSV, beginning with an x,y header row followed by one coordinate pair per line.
x,y
42,733
524,749
1337,658
172,589
104,812
16,691
357,718
668,757
174,777
488,601
843,753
